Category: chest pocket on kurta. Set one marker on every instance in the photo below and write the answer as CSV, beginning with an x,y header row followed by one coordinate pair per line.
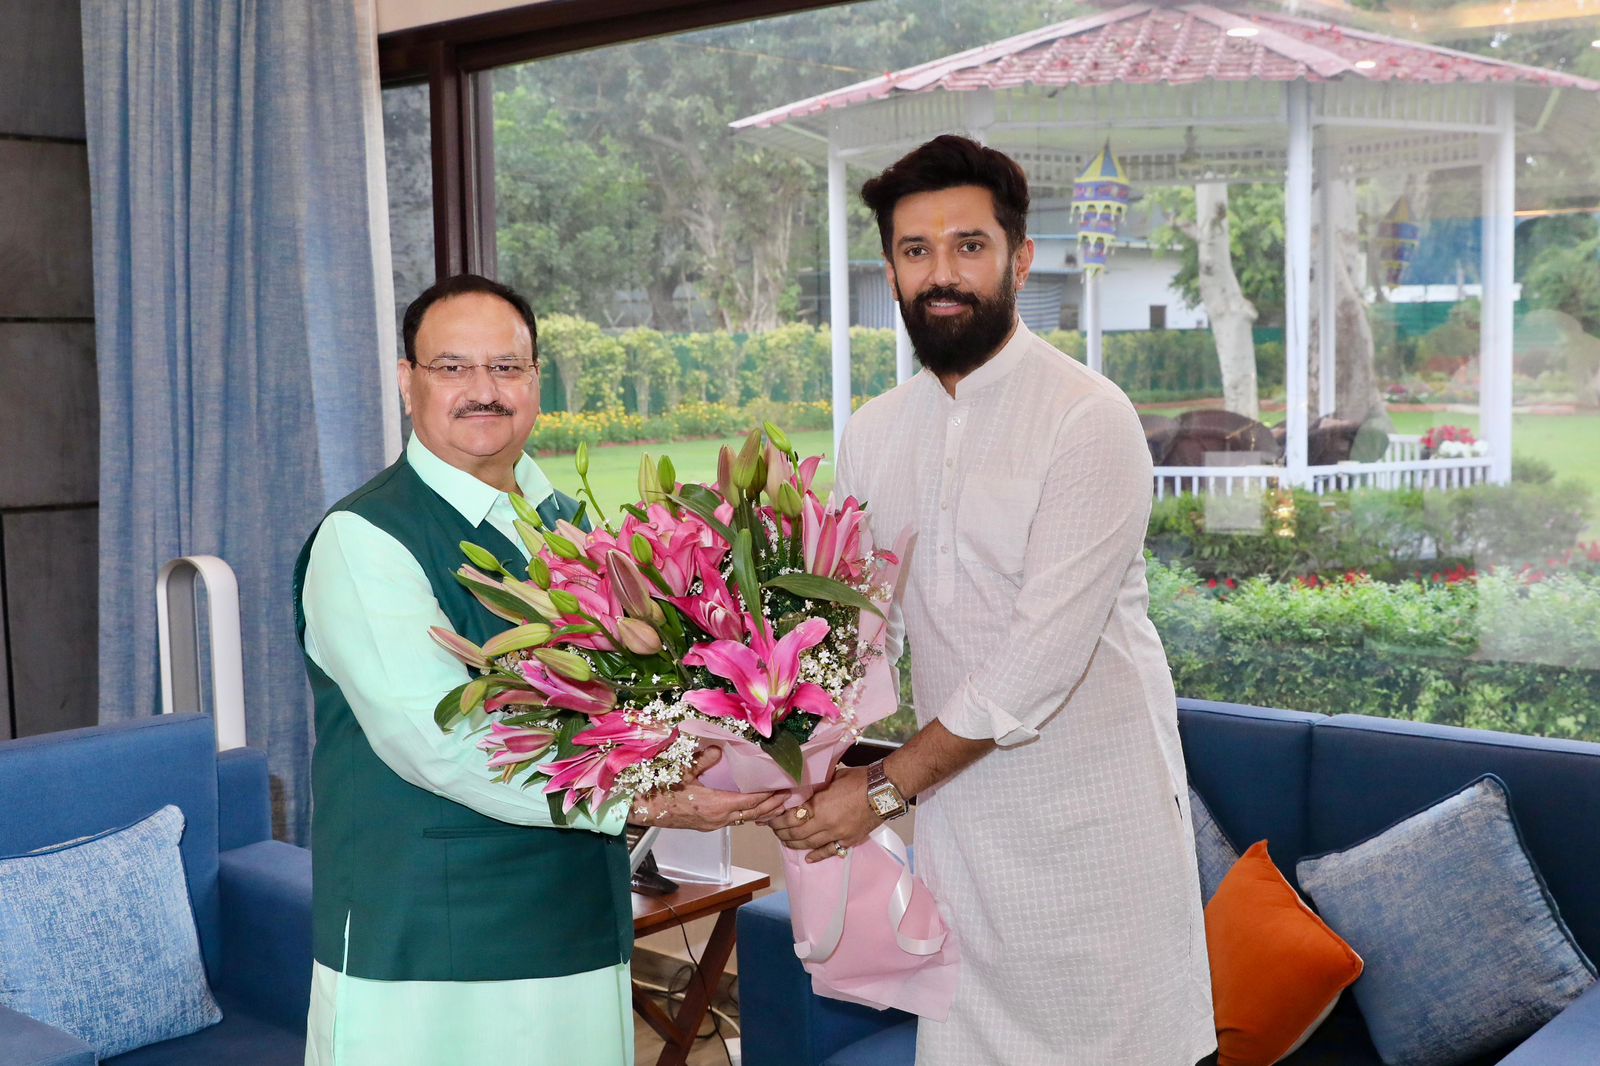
x,y
993,518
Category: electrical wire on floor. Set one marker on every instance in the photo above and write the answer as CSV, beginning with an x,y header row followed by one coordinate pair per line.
x,y
710,993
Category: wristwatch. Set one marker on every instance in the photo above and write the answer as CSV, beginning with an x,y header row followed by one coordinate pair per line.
x,y
886,801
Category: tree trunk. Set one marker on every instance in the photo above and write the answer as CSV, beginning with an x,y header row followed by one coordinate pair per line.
x,y
1356,381
664,312
641,395
1231,315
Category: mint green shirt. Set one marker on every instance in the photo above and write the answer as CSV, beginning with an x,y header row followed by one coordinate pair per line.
x,y
368,606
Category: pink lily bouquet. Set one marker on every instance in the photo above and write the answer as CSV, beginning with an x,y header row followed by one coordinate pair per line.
x,y
747,615
727,613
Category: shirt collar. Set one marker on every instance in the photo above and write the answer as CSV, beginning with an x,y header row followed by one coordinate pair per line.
x,y
474,499
995,369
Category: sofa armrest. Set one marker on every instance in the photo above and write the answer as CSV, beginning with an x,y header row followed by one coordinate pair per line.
x,y
783,1022
244,798
266,930
26,1042
1569,1037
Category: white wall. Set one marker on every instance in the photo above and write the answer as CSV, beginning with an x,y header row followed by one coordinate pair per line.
x,y
404,14
1134,281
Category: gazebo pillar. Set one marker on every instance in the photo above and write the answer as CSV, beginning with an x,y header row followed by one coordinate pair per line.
x,y
838,287
1093,331
903,366
1297,278
1499,241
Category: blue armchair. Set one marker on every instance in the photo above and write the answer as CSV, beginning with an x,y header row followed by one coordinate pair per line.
x,y
251,894
1309,784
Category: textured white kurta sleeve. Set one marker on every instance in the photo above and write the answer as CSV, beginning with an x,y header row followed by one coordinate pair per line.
x,y
1093,509
368,606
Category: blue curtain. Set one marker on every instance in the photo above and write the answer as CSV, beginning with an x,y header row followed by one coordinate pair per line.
x,y
243,323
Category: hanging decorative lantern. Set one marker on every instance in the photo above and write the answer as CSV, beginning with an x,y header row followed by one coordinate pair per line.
x,y
1398,236
1099,204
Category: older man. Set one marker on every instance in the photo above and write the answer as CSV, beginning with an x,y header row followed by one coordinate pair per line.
x,y
454,919
1053,822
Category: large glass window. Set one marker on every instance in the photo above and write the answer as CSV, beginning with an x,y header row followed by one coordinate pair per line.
x,y
1399,524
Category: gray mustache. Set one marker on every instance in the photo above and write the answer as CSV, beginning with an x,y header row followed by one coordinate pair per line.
x,y
474,408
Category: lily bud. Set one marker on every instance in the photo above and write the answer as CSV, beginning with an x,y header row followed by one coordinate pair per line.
x,y
643,553
525,510
788,501
533,595
778,437
539,572
530,536
744,465
529,636
638,637
581,460
667,474
564,602
632,591
649,481
482,558
568,664
462,648
561,547
725,481
779,471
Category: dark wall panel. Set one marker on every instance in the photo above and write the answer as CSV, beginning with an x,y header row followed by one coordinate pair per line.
x,y
45,265
41,52
50,566
49,414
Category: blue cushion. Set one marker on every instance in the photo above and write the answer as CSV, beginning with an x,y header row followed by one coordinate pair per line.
x,y
1465,950
1368,773
891,1047
97,939
243,1039
59,786
1251,763
1213,849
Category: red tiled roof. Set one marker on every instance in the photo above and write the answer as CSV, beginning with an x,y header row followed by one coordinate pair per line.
x,y
1152,44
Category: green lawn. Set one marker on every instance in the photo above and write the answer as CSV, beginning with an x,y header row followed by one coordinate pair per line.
x,y
1569,443
614,469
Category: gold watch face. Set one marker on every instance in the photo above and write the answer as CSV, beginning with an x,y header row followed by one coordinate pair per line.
x,y
884,804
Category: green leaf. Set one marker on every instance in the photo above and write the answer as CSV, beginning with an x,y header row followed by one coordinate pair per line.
x,y
640,515
785,751
813,587
483,558
704,503
448,710
744,575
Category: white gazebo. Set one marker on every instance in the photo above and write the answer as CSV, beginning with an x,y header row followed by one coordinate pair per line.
x,y
1195,93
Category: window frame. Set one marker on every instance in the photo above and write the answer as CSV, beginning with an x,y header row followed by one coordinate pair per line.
x,y
449,55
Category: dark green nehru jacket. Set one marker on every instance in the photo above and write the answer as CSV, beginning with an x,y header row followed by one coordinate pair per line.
x,y
435,891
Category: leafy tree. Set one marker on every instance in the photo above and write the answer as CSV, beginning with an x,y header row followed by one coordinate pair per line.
x,y
651,365
1255,223
590,364
717,358
568,227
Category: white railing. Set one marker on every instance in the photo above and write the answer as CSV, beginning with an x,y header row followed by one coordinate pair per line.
x,y
1403,448
1441,474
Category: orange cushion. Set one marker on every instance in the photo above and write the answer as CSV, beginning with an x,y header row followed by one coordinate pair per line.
x,y
1276,968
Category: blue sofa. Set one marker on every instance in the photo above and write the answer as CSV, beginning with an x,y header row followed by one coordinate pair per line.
x,y
1308,784
251,894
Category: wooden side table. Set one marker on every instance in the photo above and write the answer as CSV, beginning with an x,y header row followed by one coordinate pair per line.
x,y
652,914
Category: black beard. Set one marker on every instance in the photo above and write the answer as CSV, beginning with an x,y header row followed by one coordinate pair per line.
x,y
960,344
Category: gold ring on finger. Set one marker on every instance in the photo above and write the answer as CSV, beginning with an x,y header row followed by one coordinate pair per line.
x,y
801,814
839,849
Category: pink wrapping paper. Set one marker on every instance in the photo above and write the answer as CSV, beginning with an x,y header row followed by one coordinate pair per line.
x,y
865,928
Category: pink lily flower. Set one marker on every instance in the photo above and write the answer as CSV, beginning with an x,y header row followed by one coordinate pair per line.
x,y
764,675
613,744
513,745
831,539
714,611
587,697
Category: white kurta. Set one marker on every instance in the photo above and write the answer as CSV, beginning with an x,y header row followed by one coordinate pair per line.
x,y
1063,861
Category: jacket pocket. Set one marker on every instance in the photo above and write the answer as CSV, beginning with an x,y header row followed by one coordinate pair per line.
x,y
993,522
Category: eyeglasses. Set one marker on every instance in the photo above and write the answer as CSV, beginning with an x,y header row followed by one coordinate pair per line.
x,y
461,373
